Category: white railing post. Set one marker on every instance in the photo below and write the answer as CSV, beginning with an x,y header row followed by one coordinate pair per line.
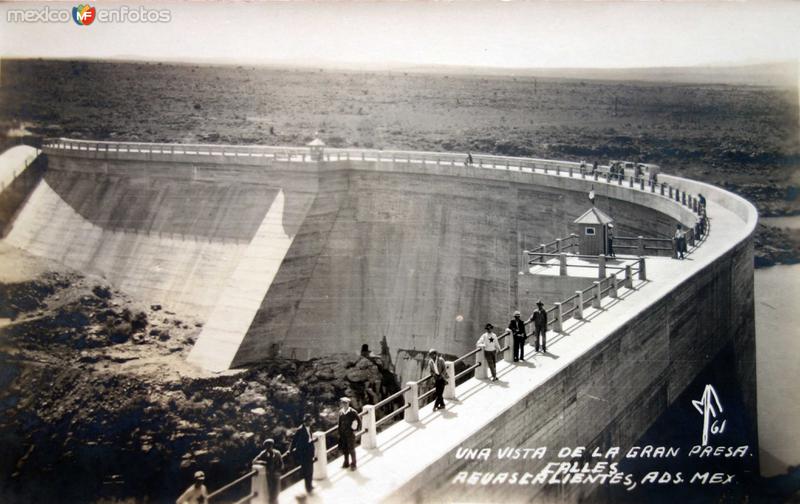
x,y
559,322
596,295
508,354
641,245
321,450
562,263
558,244
450,386
543,250
480,371
370,437
578,313
628,277
612,293
411,396
642,271
258,485
601,266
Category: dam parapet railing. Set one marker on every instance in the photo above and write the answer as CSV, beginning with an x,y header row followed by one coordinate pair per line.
x,y
251,154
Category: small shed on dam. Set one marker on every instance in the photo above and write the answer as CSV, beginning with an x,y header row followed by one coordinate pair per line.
x,y
592,228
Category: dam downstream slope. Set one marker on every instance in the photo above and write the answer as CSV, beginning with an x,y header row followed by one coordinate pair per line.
x,y
420,254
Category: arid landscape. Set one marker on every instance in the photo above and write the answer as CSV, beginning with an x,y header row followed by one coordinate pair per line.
x,y
94,394
743,138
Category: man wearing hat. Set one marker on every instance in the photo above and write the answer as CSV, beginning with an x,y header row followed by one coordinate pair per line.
x,y
488,341
303,450
195,494
539,319
349,424
272,461
439,372
519,335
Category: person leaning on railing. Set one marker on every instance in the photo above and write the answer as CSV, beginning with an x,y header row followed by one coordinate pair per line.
x,y
272,461
195,494
439,372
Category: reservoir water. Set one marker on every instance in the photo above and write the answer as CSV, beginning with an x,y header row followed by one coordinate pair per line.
x,y
777,306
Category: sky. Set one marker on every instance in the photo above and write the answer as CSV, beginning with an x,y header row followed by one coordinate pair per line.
x,y
482,33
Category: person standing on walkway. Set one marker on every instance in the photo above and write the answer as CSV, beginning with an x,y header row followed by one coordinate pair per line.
x,y
349,424
539,319
611,240
303,450
272,461
197,493
439,372
518,335
488,342
680,242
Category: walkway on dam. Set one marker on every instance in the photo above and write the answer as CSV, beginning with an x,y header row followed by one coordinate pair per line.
x,y
406,450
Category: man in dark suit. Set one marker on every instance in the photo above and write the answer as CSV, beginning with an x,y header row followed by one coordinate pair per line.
x,y
349,424
519,335
539,319
303,450
438,370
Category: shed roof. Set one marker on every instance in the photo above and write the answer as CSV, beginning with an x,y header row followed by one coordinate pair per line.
x,y
594,216
316,143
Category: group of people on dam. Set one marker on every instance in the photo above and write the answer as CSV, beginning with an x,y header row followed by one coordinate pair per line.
x,y
302,446
489,344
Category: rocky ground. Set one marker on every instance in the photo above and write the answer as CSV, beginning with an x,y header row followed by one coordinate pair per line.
x,y
98,401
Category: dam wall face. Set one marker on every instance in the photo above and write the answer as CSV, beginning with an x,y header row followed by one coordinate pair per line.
x,y
613,393
301,258
424,256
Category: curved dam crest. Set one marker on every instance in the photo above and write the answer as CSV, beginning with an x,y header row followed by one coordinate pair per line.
x,y
419,254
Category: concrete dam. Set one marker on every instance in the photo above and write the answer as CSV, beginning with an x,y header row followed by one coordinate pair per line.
x,y
302,252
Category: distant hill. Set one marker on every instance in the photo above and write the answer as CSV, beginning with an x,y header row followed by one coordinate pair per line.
x,y
783,74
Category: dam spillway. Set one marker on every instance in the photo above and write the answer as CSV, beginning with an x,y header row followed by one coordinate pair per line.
x,y
363,243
